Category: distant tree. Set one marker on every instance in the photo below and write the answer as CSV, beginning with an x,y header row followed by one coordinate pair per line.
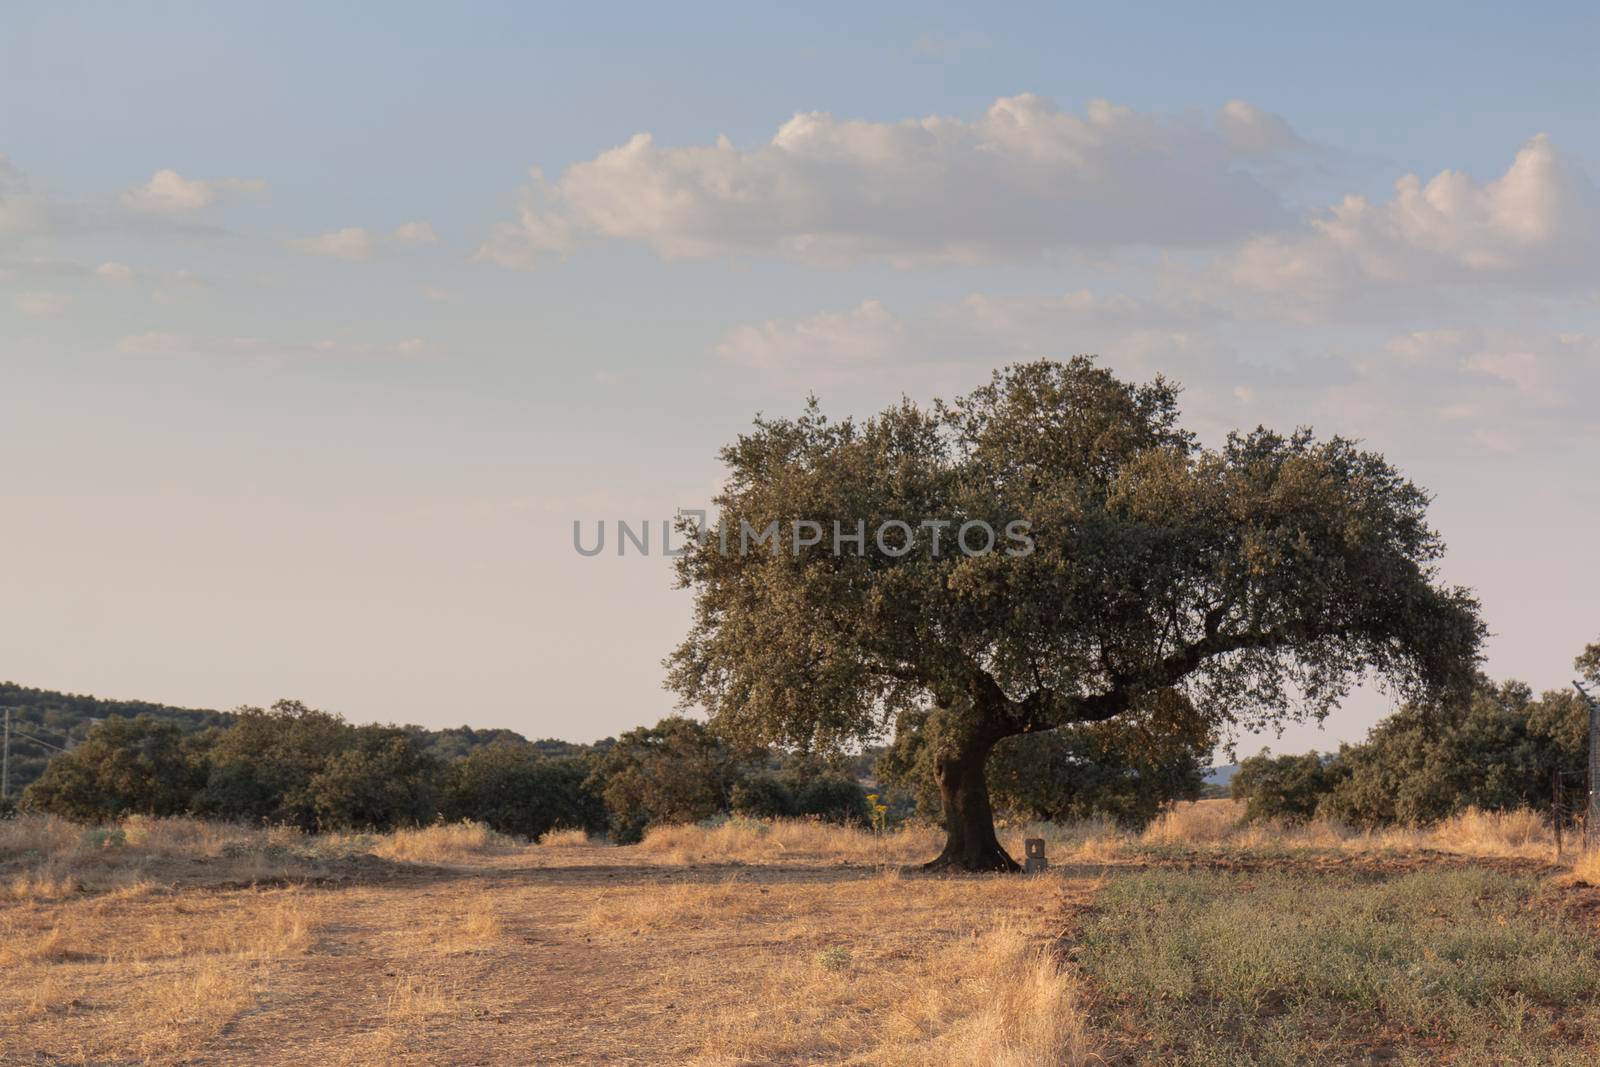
x,y
763,796
261,768
1259,578
124,766
516,790
675,771
1287,788
1493,749
381,781
833,798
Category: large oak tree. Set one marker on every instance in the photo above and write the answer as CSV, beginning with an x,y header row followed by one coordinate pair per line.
x,y
1259,580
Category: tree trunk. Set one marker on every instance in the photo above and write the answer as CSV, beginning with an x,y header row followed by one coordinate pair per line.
x,y
970,843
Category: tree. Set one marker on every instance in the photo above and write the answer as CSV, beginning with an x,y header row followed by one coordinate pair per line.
x,y
1258,579
262,767
1493,748
380,781
124,766
675,771
1125,769
516,790
1285,787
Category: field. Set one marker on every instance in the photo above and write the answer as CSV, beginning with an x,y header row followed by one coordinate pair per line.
x,y
1200,941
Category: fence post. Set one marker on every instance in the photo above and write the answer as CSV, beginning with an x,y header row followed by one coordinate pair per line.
x,y
1591,815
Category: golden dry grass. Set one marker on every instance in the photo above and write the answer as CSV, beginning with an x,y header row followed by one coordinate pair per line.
x,y
742,942
566,839
1519,834
443,843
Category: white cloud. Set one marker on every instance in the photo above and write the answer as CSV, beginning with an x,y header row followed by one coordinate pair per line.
x,y
1023,178
21,212
605,379
414,233
356,244
114,272
867,334
1536,225
153,343
411,346
42,304
352,244
170,193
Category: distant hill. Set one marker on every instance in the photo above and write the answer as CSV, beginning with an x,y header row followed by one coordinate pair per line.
x,y
44,722
1222,775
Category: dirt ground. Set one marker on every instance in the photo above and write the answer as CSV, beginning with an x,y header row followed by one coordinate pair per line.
x,y
522,954
582,955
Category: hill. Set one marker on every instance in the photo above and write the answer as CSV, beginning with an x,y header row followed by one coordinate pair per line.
x,y
44,722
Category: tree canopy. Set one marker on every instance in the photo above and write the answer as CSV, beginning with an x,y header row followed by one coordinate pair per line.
x,y
1258,579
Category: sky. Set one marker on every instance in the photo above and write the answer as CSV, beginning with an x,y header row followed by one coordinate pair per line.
x,y
319,328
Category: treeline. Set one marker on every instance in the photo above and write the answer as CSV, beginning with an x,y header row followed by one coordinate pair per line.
x,y
1500,748
298,766
45,722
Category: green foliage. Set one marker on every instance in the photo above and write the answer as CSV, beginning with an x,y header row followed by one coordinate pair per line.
x,y
516,790
262,768
1259,578
1286,788
1125,769
763,796
380,781
124,766
45,722
834,798
1494,749
676,771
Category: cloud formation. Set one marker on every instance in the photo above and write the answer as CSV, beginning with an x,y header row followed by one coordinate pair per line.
x,y
356,244
1023,178
1538,224
170,193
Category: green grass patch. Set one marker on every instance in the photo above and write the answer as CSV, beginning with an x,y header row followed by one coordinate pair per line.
x,y
1465,966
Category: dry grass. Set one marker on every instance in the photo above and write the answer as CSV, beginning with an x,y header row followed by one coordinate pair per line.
x,y
1520,834
742,942
566,839
444,843
1586,868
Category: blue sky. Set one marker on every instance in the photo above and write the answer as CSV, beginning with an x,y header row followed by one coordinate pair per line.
x,y
311,415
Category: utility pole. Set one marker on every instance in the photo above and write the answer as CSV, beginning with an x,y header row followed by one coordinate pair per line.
x,y
1591,816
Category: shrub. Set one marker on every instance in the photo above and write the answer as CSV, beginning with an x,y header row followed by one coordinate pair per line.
x,y
676,771
124,766
1493,750
1287,788
515,790
763,796
261,768
834,798
381,782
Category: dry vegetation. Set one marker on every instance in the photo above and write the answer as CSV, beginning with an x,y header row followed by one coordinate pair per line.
x,y
1203,940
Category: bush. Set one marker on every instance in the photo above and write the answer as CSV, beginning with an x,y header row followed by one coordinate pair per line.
x,y
261,768
1287,788
834,798
515,790
676,771
1494,750
380,782
125,766
763,796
